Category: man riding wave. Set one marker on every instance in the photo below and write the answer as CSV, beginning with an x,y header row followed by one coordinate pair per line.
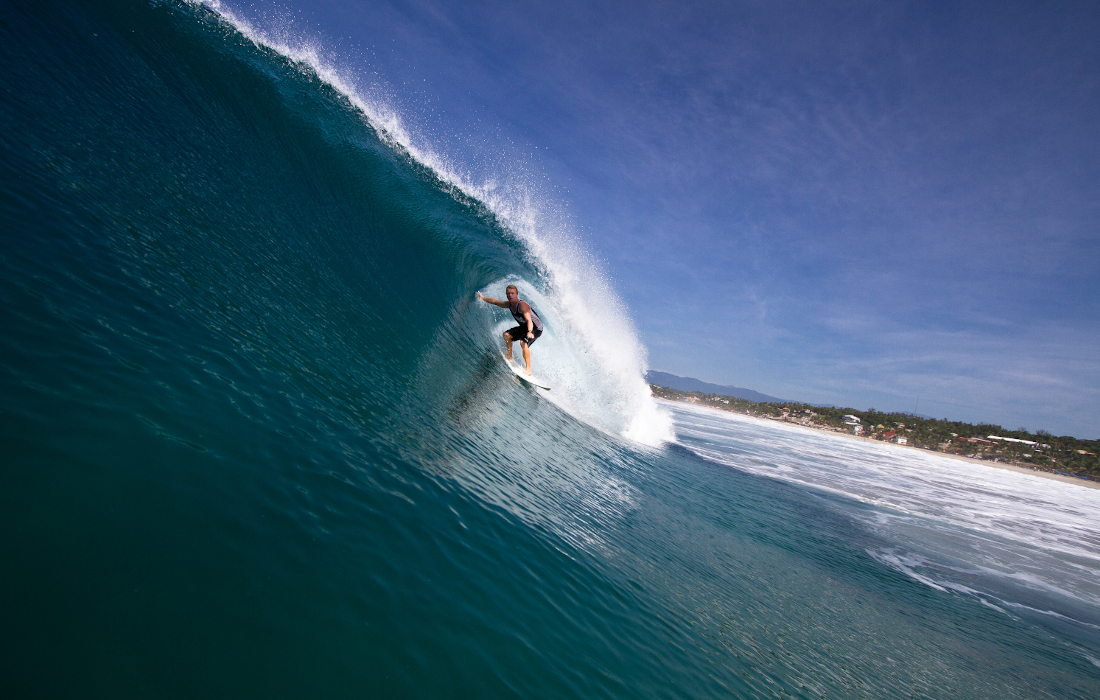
x,y
529,328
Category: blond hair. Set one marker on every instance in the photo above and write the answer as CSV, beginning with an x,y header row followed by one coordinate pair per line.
x,y
511,286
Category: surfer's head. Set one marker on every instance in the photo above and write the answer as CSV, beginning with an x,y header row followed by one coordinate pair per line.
x,y
511,292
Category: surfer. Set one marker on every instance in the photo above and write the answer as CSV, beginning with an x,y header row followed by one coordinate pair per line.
x,y
529,328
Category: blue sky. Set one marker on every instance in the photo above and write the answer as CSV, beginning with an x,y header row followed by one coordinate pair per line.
x,y
858,203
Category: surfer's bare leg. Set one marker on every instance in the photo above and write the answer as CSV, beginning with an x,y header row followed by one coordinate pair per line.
x,y
526,357
508,346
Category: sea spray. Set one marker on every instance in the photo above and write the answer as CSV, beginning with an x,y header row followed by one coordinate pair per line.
x,y
589,359
601,363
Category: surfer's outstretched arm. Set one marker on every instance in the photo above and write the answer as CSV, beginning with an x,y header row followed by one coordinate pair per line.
x,y
494,302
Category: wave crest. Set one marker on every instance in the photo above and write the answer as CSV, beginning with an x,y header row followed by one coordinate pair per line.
x,y
593,354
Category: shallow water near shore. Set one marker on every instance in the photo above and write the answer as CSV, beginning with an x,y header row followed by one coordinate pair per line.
x,y
1014,540
232,471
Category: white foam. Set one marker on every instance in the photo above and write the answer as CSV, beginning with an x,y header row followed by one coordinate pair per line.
x,y
600,373
974,529
588,360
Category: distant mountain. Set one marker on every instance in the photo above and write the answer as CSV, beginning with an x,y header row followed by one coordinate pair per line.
x,y
689,384
671,381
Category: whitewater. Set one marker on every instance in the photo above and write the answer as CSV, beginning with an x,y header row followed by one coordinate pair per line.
x,y
1013,540
259,441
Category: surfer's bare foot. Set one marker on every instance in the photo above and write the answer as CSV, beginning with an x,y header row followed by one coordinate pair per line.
x,y
527,371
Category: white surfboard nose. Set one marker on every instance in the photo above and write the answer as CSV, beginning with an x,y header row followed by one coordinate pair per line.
x,y
530,379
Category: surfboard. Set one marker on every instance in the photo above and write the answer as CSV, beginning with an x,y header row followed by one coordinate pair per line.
x,y
518,371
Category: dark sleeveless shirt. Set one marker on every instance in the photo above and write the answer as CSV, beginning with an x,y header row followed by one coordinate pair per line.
x,y
518,315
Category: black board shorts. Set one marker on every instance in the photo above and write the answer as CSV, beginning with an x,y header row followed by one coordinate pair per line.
x,y
520,333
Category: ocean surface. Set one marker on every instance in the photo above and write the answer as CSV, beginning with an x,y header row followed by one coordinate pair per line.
x,y
258,440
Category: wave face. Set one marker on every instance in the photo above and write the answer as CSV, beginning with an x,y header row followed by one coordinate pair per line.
x,y
259,441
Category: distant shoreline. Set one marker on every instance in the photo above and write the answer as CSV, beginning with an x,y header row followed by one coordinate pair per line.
x,y
1087,483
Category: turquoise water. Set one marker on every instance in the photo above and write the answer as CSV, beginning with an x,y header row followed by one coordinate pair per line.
x,y
259,442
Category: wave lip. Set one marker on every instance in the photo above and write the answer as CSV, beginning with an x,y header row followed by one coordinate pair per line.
x,y
593,354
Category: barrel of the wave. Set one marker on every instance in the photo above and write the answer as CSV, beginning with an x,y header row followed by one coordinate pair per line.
x,y
526,333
